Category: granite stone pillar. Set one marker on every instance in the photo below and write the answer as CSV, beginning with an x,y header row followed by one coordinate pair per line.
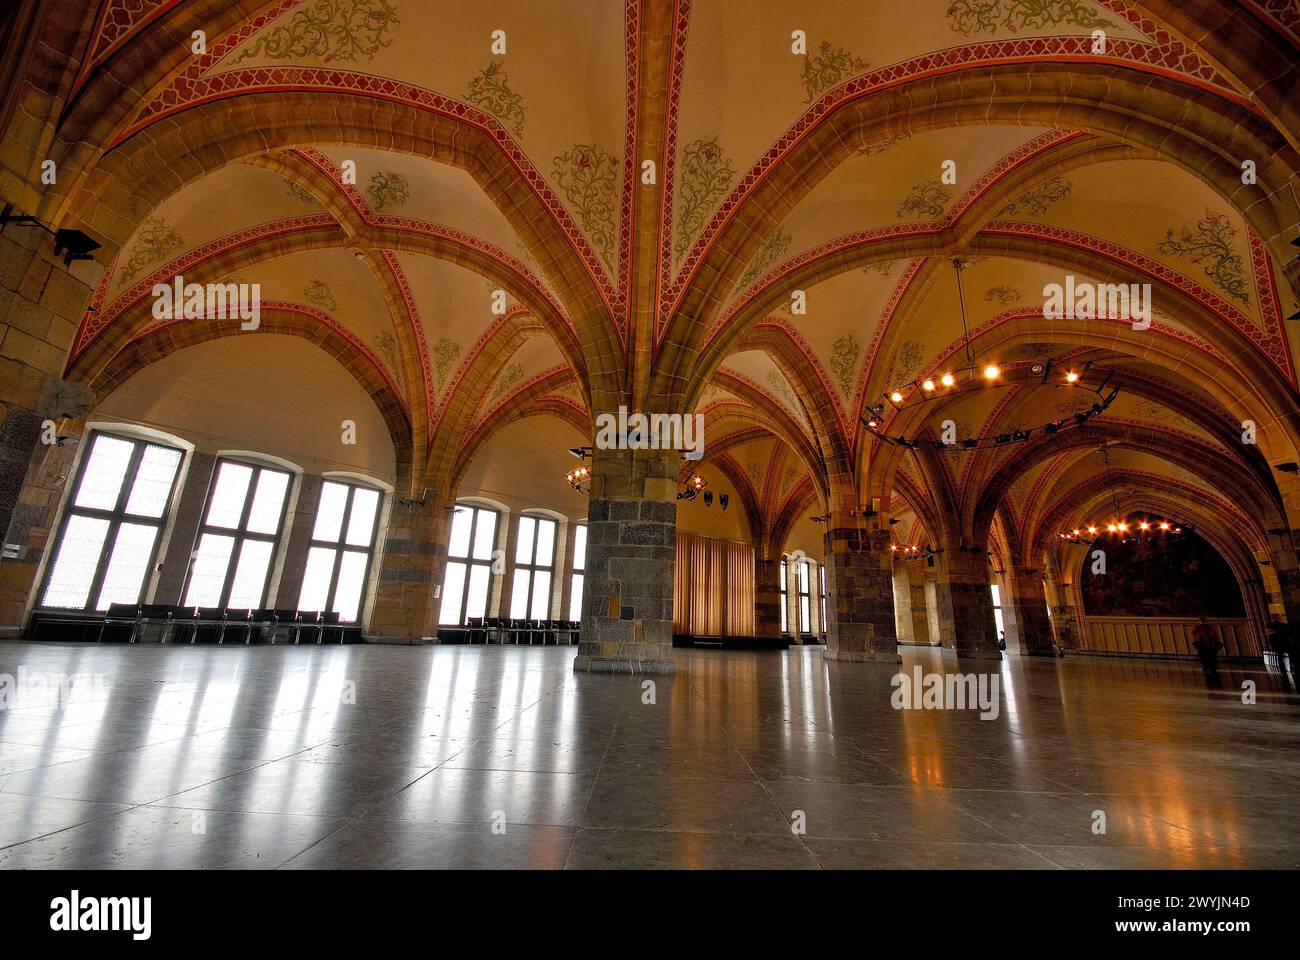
x,y
920,611
767,596
903,625
975,633
627,597
938,601
860,581
410,573
1028,607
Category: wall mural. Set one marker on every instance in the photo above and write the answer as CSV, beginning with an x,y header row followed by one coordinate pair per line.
x,y
1211,245
705,178
330,29
388,190
1035,201
1178,578
156,242
968,17
491,91
588,178
829,67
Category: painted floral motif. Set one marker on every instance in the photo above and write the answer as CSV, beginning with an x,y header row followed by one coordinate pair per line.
x,y
588,178
844,361
778,384
828,68
1037,349
1002,295
491,91
299,192
319,295
1035,201
512,375
880,146
1211,244
755,471
445,355
969,17
928,199
908,362
1150,410
330,29
884,268
157,241
388,190
768,256
386,344
791,477
706,175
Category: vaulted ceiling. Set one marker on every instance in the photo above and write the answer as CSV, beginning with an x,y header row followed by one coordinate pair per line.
x,y
384,167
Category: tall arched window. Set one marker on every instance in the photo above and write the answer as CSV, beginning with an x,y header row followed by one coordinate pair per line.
x,y
468,580
579,569
805,610
109,534
239,536
342,542
534,564
785,596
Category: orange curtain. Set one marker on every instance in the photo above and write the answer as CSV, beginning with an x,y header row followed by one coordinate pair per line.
x,y
713,587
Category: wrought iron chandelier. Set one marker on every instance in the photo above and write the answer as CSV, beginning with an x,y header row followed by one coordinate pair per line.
x,y
1122,527
992,373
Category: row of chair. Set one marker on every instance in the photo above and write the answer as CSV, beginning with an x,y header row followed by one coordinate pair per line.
x,y
216,624
512,630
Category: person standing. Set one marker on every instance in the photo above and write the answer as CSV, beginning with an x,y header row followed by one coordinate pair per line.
x,y
1206,642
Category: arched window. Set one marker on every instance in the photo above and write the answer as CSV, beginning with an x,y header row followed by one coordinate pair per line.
x,y
821,579
342,543
579,568
239,536
785,596
108,538
468,580
805,609
534,564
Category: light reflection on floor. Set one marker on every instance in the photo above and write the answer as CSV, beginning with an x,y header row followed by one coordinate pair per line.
x,y
358,756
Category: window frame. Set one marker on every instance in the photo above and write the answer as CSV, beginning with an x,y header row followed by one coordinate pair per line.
x,y
469,562
115,517
240,533
341,546
995,595
531,569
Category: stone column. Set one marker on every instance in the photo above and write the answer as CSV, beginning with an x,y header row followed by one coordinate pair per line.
x,y
627,600
1028,605
903,624
938,601
975,633
920,611
411,569
298,527
41,304
183,539
767,594
860,581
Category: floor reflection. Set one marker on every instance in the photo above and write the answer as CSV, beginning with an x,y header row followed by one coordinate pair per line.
x,y
200,757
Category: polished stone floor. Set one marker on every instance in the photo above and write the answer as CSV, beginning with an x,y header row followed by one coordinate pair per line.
x,y
427,757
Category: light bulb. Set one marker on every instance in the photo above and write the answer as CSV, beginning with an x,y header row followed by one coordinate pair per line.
x,y
896,397
947,379
1071,377
927,385
991,372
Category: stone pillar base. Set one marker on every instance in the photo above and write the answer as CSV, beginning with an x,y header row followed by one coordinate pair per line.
x,y
584,663
857,656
